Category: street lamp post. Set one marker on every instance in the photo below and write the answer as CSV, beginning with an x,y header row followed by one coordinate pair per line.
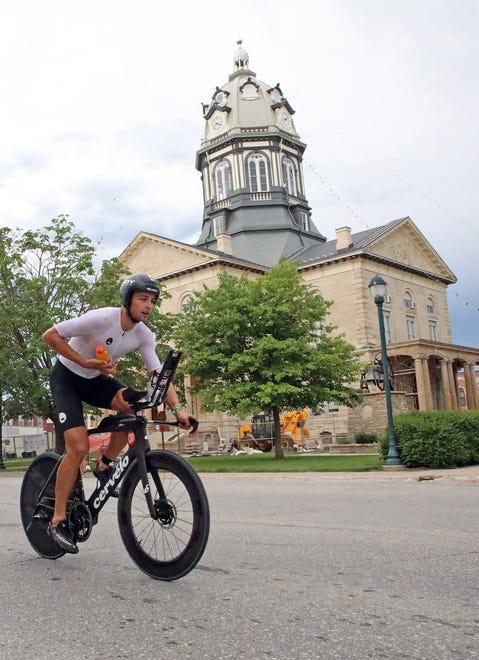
x,y
377,287
2,464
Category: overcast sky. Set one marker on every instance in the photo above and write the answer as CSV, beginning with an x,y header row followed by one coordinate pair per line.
x,y
100,115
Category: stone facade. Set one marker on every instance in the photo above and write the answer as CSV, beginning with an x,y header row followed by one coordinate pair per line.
x,y
371,415
254,209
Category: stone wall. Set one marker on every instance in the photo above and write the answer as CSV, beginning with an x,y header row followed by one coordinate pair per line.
x,y
371,415
355,449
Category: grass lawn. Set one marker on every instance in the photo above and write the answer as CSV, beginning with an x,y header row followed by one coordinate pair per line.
x,y
14,464
292,462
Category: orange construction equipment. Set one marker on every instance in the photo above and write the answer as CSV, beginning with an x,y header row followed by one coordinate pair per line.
x,y
259,433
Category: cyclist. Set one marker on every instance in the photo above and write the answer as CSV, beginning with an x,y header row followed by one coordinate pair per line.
x,y
79,377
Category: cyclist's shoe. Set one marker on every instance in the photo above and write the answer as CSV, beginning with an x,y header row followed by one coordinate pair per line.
x,y
103,476
62,536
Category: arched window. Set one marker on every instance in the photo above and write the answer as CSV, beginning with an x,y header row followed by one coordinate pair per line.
x,y
430,306
409,300
223,180
258,173
289,177
187,304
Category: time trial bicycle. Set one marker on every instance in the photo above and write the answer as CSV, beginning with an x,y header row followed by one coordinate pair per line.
x,y
163,512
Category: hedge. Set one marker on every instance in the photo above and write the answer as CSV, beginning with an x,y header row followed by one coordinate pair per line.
x,y
365,438
436,439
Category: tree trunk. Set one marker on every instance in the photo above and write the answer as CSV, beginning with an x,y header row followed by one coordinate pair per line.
x,y
277,433
2,464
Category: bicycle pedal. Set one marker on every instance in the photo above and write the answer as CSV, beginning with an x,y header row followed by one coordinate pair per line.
x,y
42,516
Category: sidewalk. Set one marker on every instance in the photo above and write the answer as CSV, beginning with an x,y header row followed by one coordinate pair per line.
x,y
469,474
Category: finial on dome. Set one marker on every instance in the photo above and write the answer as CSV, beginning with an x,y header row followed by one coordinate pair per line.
x,y
241,57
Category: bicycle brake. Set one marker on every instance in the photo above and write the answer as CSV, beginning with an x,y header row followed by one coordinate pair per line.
x,y
193,423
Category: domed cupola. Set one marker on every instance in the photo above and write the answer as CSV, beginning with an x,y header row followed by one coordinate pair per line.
x,y
251,164
241,57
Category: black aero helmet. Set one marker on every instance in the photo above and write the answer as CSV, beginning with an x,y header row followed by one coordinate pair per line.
x,y
137,282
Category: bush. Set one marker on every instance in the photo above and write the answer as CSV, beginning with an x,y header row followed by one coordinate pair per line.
x,y
436,439
343,441
365,438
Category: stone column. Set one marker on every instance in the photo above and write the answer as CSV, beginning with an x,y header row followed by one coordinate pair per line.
x,y
445,386
427,384
474,385
471,387
421,386
452,385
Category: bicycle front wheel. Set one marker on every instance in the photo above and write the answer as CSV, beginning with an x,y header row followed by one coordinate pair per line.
x,y
36,513
170,545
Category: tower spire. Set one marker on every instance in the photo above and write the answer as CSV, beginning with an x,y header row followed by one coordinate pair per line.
x,y
240,57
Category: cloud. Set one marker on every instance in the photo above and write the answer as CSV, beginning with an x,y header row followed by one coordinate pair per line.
x,y
101,114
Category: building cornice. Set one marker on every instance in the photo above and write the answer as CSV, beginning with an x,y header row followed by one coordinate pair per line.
x,y
218,262
376,258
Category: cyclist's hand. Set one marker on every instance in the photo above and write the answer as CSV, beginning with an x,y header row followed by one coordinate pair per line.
x,y
183,419
107,368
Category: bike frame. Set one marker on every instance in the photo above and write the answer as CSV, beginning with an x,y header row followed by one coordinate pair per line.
x,y
135,428
134,425
138,447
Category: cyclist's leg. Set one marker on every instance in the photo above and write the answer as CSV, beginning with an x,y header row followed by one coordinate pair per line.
x,y
76,441
117,442
68,403
117,439
119,404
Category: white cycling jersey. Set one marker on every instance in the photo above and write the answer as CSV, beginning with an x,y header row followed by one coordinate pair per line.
x,y
102,327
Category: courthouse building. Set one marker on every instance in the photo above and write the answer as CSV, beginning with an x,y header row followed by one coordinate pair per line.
x,y
256,211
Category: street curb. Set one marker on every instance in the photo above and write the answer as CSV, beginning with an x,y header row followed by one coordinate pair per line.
x,y
469,474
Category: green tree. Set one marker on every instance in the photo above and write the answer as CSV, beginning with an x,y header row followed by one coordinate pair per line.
x,y
265,345
48,275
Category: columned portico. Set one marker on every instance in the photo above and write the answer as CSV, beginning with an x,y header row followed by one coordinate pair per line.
x,y
432,374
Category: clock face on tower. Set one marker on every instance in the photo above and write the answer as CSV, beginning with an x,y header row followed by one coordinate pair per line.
x,y
284,119
217,123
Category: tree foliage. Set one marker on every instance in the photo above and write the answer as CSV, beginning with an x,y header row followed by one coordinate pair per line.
x,y
265,345
48,275
44,277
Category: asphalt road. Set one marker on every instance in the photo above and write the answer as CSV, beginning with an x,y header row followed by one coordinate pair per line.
x,y
296,567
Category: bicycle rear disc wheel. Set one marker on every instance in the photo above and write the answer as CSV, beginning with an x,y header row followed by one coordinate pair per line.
x,y
36,528
170,546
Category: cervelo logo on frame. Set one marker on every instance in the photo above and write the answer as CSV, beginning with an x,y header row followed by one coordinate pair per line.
x,y
122,465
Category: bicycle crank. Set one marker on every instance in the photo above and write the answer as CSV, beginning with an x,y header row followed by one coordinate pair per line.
x,y
80,521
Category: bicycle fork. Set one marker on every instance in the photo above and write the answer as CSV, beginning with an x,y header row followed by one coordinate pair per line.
x,y
155,511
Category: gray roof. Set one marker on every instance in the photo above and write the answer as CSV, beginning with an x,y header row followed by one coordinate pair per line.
x,y
359,242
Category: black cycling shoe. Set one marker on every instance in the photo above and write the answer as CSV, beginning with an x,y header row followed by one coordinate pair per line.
x,y
62,536
103,477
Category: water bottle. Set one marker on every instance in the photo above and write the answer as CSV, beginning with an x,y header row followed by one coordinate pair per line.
x,y
102,354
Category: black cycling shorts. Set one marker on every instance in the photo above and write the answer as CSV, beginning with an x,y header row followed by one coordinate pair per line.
x,y
71,391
